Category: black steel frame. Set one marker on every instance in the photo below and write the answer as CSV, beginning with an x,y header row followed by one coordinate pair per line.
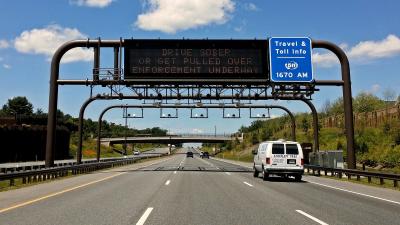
x,y
293,128
279,91
99,97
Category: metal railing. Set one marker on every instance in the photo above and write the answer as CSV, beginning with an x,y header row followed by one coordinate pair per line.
x,y
350,173
38,175
201,135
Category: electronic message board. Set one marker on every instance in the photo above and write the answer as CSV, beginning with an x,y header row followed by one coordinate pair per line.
x,y
195,59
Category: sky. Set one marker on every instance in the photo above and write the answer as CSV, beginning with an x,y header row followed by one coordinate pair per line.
x,y
31,31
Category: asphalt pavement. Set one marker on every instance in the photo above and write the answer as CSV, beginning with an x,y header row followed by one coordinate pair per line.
x,y
180,190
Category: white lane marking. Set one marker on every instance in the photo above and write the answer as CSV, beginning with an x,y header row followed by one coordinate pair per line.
x,y
154,163
210,164
168,181
353,192
227,173
58,193
175,172
230,162
248,184
311,217
146,214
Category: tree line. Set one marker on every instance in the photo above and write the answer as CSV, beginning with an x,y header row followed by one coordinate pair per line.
x,y
23,111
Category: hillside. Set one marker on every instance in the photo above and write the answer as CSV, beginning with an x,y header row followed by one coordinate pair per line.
x,y
377,144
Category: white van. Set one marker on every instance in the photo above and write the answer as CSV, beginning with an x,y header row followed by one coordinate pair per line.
x,y
283,158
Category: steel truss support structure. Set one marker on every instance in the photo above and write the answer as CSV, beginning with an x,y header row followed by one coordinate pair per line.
x,y
99,126
167,89
99,97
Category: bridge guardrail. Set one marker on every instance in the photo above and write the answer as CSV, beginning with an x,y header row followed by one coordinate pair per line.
x,y
39,175
316,171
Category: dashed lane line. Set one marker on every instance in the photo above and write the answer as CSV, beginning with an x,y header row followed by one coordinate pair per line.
x,y
168,181
145,215
311,217
247,184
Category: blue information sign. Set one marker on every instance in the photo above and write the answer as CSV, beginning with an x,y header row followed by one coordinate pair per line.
x,y
290,59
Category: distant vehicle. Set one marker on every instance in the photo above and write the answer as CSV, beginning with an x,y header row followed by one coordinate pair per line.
x,y
201,154
189,154
136,153
205,155
283,158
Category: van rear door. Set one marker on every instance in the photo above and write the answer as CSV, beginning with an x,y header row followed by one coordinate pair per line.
x,y
292,155
278,155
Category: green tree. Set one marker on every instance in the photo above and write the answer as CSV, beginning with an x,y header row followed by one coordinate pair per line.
x,y
304,125
254,139
367,102
18,106
336,108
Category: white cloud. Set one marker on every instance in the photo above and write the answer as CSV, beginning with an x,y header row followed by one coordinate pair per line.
x,y
363,51
375,88
387,47
6,66
170,16
92,3
4,44
47,40
324,59
251,7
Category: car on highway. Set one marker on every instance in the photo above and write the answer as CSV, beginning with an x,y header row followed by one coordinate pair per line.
x,y
189,154
283,158
205,155
136,153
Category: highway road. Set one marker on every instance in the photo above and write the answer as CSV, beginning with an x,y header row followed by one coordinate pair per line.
x,y
180,190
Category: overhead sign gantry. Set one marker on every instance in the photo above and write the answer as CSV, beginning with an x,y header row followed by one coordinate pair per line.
x,y
195,70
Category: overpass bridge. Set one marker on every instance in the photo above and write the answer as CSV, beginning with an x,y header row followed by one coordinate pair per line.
x,y
172,139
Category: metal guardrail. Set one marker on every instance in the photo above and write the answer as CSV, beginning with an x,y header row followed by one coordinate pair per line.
x,y
33,176
316,171
41,165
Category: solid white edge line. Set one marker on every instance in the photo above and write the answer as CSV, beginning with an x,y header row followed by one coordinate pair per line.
x,y
168,181
248,184
146,214
311,217
353,192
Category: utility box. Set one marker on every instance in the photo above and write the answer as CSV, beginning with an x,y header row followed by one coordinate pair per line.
x,y
328,159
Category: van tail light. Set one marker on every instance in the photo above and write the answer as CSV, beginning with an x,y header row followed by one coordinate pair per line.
x,y
268,161
302,162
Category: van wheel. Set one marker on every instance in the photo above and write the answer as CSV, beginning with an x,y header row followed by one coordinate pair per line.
x,y
255,173
264,174
297,178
